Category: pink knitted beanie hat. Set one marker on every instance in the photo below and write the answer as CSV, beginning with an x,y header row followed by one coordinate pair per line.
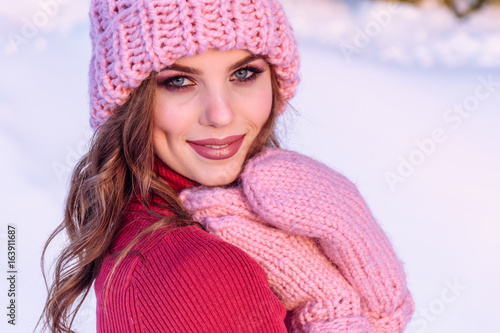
x,y
132,38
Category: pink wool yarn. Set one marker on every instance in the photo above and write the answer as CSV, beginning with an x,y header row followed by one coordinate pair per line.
x,y
321,298
305,199
132,38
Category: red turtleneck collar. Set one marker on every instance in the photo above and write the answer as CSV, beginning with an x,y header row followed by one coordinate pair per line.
x,y
177,181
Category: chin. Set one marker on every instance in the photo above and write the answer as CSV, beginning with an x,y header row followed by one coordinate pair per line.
x,y
219,177
221,181
222,174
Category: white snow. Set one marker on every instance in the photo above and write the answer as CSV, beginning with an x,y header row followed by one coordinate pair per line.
x,y
361,116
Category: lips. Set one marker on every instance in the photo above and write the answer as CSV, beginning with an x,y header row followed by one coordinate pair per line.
x,y
217,149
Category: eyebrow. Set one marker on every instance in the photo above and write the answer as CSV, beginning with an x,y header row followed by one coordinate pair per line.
x,y
185,69
195,71
244,61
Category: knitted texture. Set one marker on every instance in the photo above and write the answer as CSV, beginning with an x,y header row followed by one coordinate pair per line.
x,y
315,290
182,280
132,38
304,198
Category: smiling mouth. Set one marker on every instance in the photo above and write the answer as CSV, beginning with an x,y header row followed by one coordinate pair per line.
x,y
218,149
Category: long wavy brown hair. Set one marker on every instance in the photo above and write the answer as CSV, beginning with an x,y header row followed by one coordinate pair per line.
x,y
118,166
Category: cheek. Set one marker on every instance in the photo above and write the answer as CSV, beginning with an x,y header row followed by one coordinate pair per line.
x,y
261,105
168,122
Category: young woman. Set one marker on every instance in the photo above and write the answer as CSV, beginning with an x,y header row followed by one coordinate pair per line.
x,y
184,214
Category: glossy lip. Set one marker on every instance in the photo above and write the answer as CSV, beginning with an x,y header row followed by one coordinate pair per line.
x,y
233,145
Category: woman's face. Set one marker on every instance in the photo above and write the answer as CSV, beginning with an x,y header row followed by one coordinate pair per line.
x,y
209,108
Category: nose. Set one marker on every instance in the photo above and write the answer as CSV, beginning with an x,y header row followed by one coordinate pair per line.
x,y
217,110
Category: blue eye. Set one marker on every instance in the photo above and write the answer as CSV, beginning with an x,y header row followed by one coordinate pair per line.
x,y
176,83
179,81
247,73
243,73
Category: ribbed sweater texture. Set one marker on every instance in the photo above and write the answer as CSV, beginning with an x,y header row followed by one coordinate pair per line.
x,y
182,280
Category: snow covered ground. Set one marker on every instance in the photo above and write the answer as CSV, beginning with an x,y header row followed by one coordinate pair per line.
x,y
411,115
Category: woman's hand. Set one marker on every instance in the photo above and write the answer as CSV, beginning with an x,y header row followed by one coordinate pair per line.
x,y
303,197
298,273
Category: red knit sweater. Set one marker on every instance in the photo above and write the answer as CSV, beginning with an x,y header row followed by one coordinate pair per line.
x,y
184,280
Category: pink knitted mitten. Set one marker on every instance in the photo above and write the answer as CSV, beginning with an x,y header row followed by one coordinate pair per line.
x,y
298,273
303,197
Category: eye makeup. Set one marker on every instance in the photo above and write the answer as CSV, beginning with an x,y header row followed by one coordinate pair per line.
x,y
178,76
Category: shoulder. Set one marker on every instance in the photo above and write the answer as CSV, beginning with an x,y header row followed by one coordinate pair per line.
x,y
190,249
180,251
190,275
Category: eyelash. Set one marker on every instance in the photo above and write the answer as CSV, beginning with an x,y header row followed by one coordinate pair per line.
x,y
167,82
254,69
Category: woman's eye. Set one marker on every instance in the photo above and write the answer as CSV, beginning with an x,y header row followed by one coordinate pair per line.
x,y
179,81
176,83
242,74
248,73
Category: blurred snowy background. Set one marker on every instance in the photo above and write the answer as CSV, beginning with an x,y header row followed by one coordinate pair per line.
x,y
403,100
